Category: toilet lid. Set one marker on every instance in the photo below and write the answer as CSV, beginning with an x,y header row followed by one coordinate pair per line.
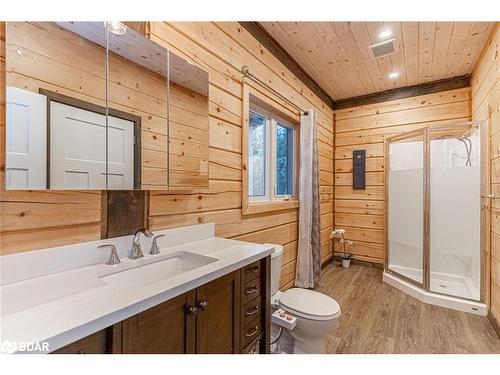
x,y
309,304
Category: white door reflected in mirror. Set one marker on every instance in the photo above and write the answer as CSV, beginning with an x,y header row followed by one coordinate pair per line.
x,y
26,140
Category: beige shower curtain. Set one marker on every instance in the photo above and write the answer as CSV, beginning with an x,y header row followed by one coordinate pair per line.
x,y
308,257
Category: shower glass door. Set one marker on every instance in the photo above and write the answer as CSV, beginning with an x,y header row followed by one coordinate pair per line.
x,y
455,211
405,196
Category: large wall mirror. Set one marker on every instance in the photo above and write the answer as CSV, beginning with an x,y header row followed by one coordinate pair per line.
x,y
188,125
97,105
54,144
137,86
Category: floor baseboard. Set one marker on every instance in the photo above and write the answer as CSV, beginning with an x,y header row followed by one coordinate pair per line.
x,y
326,263
358,262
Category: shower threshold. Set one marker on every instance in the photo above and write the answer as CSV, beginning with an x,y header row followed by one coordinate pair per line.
x,y
437,299
444,283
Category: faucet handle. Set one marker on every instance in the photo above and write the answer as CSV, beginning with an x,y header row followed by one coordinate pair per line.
x,y
113,256
154,245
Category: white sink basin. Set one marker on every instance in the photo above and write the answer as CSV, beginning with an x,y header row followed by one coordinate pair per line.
x,y
157,269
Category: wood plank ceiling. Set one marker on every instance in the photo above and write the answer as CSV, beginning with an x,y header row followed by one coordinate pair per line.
x,y
337,57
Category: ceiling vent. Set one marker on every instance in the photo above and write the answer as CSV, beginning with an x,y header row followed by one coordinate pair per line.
x,y
384,48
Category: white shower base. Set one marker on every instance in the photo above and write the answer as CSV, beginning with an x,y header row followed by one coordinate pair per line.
x,y
452,285
434,298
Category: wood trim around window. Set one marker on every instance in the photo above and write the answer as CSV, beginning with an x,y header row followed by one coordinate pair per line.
x,y
248,207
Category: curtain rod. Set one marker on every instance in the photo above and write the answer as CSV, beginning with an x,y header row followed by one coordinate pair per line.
x,y
246,73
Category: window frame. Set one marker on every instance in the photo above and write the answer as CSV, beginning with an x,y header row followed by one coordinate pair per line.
x,y
267,160
271,201
271,127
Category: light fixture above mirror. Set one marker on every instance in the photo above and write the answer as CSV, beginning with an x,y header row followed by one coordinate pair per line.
x,y
116,27
393,75
385,34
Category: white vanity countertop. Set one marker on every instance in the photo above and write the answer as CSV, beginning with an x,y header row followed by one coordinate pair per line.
x,y
72,298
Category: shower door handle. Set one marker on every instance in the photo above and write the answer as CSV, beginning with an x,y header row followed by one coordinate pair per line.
x,y
491,196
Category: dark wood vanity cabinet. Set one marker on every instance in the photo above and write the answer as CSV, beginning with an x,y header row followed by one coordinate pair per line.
x,y
218,321
166,328
95,343
255,308
204,320
230,314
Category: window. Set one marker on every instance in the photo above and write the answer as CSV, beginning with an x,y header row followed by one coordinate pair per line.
x,y
284,160
271,157
257,155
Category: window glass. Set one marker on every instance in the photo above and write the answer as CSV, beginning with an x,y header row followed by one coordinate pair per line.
x,y
257,155
284,160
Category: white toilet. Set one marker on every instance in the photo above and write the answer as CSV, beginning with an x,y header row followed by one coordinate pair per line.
x,y
316,313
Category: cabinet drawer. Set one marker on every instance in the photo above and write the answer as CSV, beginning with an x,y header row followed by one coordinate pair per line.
x,y
93,344
252,271
251,310
253,348
251,290
251,331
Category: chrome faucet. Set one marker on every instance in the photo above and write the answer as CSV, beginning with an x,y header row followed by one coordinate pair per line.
x,y
154,246
136,251
113,256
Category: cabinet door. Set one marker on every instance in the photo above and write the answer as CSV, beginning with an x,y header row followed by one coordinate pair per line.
x,y
217,328
93,344
137,111
53,140
188,125
163,329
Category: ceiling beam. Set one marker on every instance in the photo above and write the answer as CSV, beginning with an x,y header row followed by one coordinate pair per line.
x,y
264,38
405,92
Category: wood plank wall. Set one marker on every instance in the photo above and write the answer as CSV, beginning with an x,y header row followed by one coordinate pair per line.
x,y
361,212
222,48
31,220
486,104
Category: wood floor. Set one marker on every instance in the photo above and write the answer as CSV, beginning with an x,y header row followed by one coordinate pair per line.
x,y
377,318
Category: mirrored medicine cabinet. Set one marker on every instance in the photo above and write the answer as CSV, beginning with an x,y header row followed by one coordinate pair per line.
x,y
98,105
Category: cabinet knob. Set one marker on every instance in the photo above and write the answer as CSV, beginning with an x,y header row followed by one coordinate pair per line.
x,y
203,305
192,310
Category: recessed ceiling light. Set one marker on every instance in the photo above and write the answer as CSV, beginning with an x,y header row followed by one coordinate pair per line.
x,y
385,34
393,75
116,27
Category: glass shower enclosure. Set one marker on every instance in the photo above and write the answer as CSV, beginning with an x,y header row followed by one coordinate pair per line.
x,y
434,221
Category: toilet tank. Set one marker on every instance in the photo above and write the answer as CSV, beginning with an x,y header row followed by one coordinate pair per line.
x,y
276,259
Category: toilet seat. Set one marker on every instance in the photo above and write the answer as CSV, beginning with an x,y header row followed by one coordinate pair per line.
x,y
309,304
